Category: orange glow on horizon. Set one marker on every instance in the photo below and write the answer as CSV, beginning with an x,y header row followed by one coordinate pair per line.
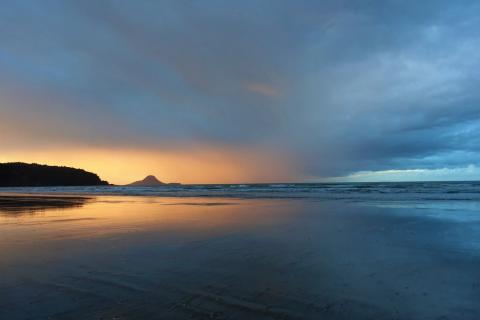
x,y
201,165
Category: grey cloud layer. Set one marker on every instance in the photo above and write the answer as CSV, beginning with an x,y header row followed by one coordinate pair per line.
x,y
343,85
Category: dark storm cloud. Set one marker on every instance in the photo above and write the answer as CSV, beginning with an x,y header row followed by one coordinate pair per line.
x,y
342,85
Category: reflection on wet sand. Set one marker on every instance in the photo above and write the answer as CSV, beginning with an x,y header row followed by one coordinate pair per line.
x,y
31,204
204,258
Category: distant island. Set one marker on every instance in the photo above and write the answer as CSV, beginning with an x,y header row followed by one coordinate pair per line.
x,y
150,181
18,174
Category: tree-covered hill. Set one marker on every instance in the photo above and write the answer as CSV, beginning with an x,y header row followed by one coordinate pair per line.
x,y
17,174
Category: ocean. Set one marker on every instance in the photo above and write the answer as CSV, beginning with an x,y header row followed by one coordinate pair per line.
x,y
337,251
375,191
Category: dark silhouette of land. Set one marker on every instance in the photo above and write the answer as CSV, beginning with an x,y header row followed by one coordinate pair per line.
x,y
17,174
150,181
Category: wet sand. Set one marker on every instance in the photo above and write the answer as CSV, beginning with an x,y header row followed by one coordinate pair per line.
x,y
170,258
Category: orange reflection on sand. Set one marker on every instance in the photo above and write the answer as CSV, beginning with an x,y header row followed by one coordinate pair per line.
x,y
109,216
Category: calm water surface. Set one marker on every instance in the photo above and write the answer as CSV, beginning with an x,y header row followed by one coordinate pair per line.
x,y
132,257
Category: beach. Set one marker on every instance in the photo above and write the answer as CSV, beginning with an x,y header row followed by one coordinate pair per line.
x,y
150,257
239,160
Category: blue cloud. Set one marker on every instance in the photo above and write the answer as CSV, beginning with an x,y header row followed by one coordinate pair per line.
x,y
345,86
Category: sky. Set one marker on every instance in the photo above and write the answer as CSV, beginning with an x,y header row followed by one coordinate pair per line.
x,y
243,91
